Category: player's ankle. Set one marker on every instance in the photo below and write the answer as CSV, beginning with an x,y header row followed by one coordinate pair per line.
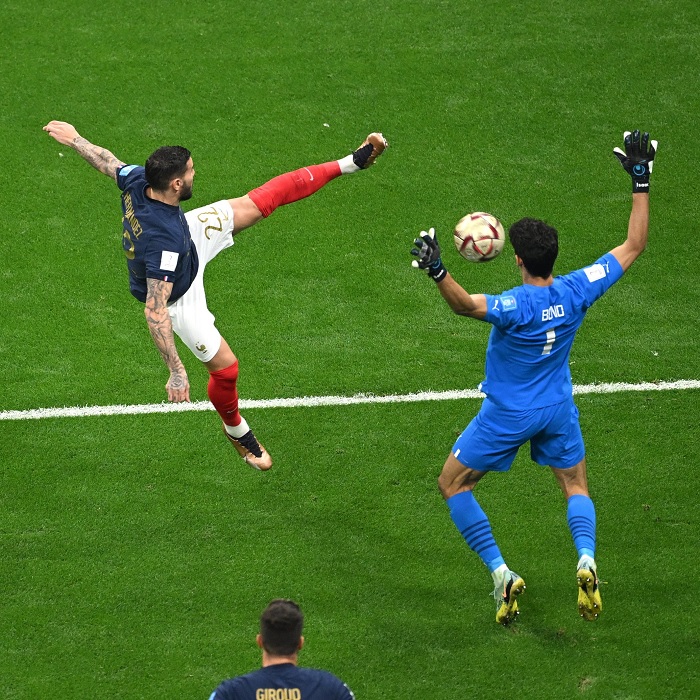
x,y
347,165
499,574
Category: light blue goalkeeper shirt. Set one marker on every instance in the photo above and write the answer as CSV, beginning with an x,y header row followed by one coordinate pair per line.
x,y
527,358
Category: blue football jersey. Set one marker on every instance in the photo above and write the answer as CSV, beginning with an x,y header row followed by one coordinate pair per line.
x,y
527,358
283,682
156,237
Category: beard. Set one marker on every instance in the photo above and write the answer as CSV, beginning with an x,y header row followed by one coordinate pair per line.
x,y
186,193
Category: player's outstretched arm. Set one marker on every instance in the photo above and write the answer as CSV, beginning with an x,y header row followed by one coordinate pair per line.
x,y
637,232
460,301
100,158
427,252
638,160
161,328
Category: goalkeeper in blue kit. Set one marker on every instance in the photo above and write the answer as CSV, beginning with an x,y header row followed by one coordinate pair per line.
x,y
528,387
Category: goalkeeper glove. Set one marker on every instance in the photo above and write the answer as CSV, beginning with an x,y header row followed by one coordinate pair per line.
x,y
427,251
637,159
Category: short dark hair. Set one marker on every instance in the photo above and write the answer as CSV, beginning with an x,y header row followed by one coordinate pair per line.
x,y
536,244
280,627
164,164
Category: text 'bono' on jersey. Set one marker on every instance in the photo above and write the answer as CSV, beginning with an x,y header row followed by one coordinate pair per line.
x,y
156,237
527,357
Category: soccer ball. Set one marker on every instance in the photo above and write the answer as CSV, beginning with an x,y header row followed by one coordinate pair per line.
x,y
479,237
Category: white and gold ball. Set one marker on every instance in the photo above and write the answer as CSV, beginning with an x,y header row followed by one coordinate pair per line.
x,y
479,237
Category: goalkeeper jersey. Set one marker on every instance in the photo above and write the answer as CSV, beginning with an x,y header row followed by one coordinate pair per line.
x,y
533,329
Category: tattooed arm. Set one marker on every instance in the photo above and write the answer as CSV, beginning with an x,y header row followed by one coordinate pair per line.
x,y
161,328
100,158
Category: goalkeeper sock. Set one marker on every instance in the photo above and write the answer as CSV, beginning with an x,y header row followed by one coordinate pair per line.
x,y
580,513
224,396
293,186
474,526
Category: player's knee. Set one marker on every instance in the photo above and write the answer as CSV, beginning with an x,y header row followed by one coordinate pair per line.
x,y
223,359
447,485
572,481
441,486
247,212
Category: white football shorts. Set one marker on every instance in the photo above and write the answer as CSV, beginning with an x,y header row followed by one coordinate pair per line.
x,y
211,228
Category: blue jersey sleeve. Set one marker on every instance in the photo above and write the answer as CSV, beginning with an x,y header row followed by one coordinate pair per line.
x,y
124,173
593,281
161,260
504,310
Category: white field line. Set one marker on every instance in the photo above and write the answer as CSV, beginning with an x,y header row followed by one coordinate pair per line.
x,y
312,401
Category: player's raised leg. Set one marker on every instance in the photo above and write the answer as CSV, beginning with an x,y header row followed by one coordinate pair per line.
x,y
581,517
299,184
456,484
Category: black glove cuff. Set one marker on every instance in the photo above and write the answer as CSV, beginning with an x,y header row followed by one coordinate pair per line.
x,y
640,186
437,271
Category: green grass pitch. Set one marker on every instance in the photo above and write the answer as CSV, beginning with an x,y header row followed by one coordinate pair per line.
x,y
136,552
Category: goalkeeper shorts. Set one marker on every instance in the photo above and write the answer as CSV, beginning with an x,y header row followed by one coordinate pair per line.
x,y
493,438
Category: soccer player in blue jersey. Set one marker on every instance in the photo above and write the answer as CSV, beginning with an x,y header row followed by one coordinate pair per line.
x,y
280,678
528,388
167,250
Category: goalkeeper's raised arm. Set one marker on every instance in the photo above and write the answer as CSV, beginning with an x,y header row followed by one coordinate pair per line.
x,y
638,160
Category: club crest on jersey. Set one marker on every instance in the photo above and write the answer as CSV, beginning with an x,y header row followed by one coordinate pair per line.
x,y
553,312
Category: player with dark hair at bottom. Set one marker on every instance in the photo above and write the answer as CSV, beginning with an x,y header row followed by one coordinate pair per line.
x,y
167,251
280,678
528,387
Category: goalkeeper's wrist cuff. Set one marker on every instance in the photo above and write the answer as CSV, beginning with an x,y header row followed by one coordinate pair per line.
x,y
638,186
437,271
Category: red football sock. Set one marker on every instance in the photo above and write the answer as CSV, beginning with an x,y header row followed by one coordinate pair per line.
x,y
224,395
291,187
